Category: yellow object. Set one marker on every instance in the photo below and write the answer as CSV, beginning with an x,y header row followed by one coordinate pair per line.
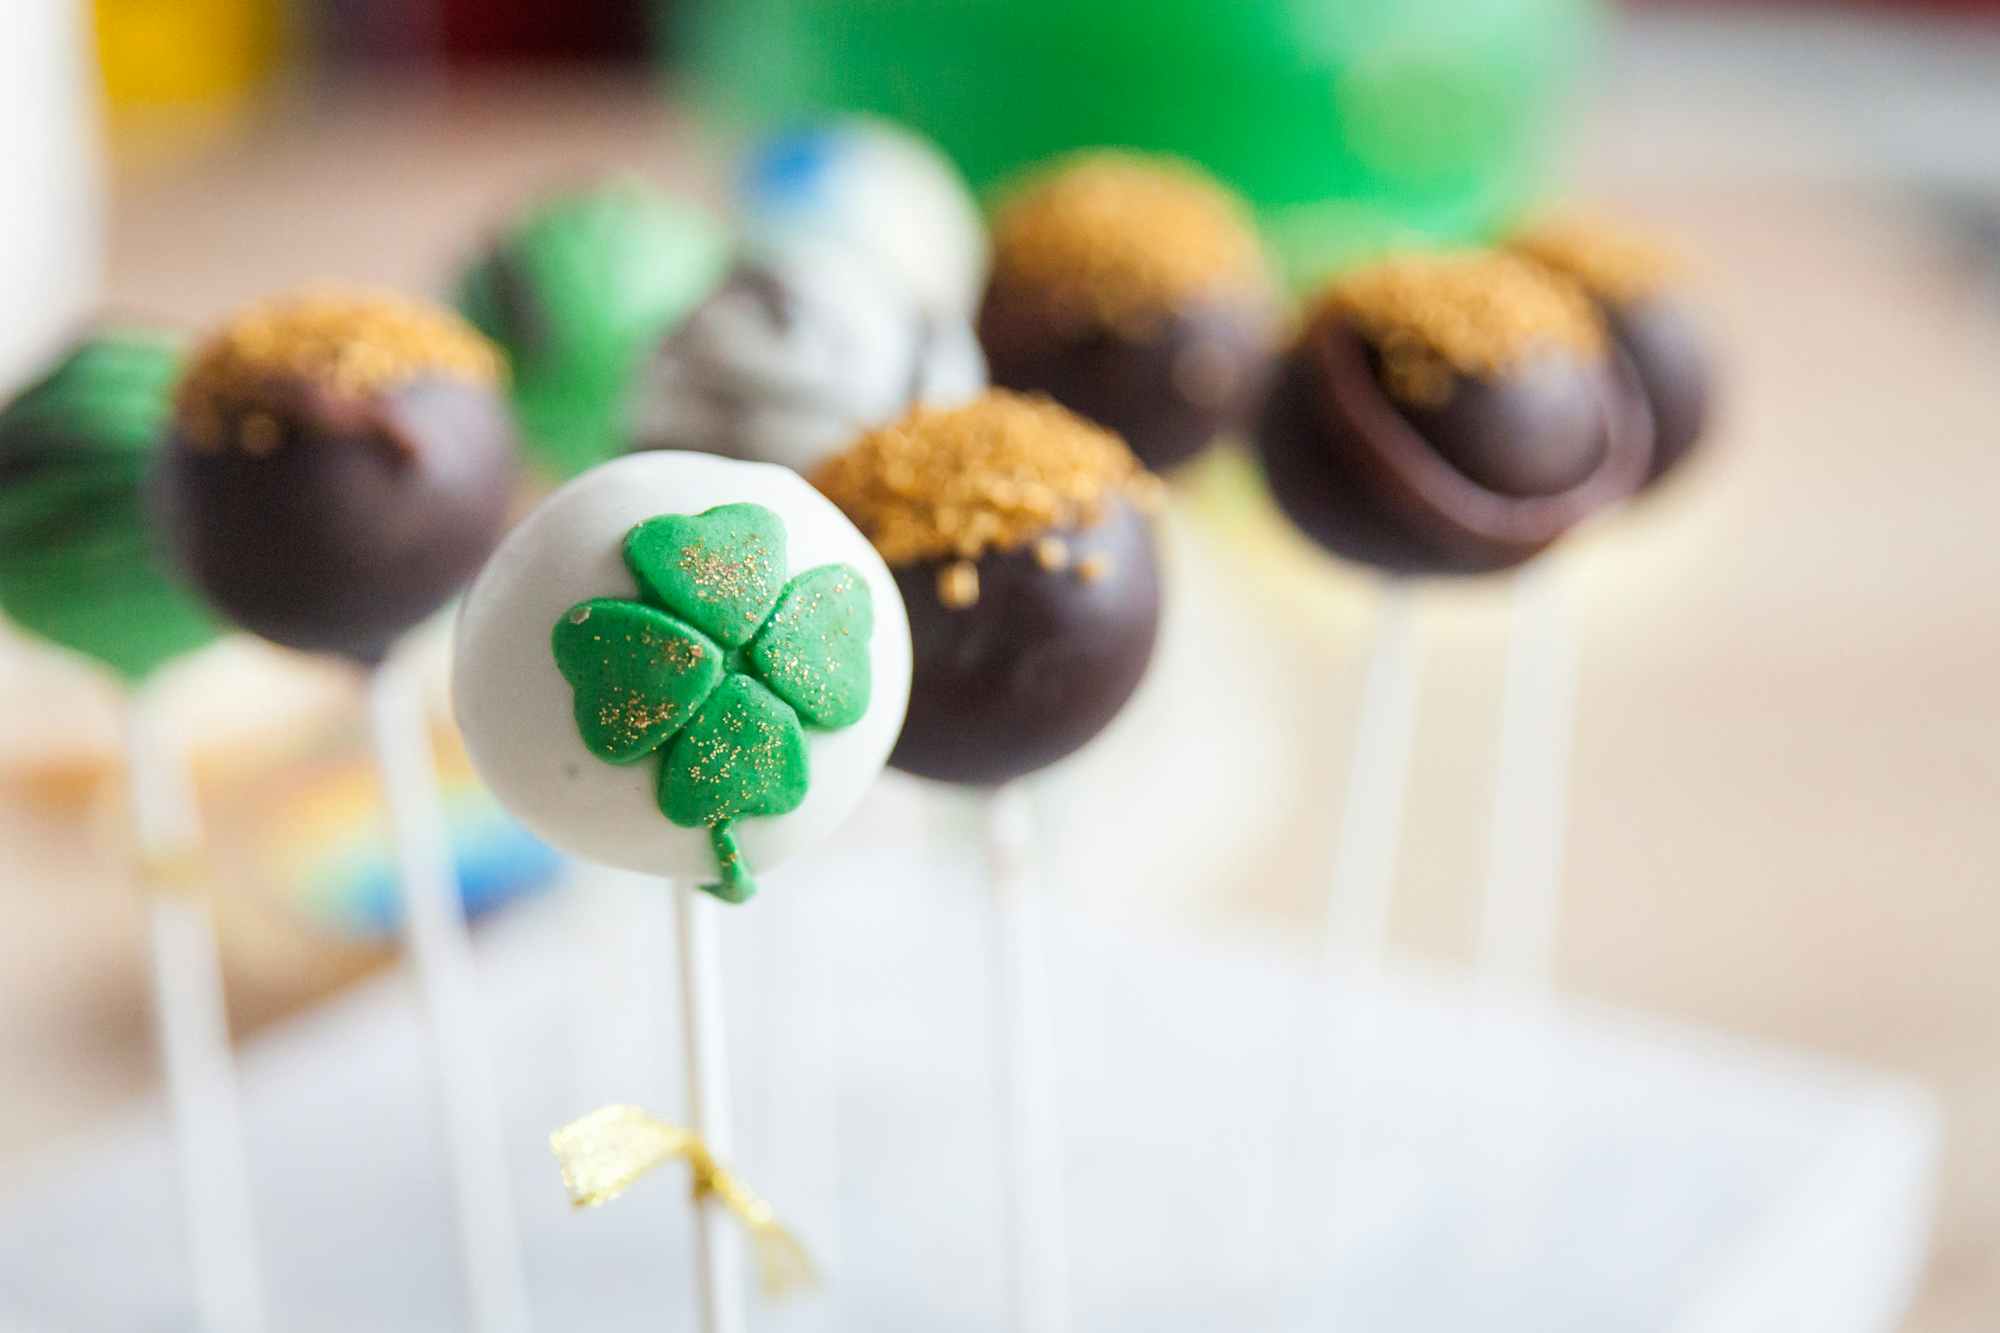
x,y
606,1152
184,52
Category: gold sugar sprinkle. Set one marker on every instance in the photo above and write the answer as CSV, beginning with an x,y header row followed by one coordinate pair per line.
x,y
351,344
725,576
1052,554
994,474
1474,313
1093,567
958,584
1613,263
1119,238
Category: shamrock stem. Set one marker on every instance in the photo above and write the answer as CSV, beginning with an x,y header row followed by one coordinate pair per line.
x,y
736,885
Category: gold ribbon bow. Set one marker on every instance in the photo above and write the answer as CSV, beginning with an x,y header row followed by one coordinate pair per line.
x,y
603,1154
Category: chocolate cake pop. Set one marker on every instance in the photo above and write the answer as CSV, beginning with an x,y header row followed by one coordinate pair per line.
x,y
679,663
804,346
339,464
576,291
1638,287
78,563
1451,414
1132,290
1019,535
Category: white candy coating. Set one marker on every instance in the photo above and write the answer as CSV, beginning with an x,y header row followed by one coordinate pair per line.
x,y
515,707
881,190
803,347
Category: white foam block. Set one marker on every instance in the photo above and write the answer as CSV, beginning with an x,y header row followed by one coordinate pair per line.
x,y
1518,1172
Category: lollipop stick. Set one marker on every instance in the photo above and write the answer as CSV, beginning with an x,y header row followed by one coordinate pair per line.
x,y
718,1245
193,1030
1031,1143
1364,880
1517,927
436,939
1371,817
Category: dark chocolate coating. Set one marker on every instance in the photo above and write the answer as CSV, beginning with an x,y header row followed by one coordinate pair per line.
x,y
1355,471
1201,372
1534,431
363,521
1668,349
1038,665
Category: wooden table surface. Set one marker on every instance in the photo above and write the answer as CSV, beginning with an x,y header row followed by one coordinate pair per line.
x,y
1787,765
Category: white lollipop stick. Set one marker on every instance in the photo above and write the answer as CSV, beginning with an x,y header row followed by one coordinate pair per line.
x,y
434,934
1371,817
1364,877
718,1245
193,1031
1522,903
1031,1140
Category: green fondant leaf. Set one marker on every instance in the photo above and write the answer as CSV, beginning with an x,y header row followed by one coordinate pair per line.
x,y
639,675
744,754
721,571
813,651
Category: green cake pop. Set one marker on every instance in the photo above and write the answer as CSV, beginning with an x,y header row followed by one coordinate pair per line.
x,y
575,291
78,564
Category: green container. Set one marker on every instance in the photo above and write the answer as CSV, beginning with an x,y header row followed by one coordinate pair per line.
x,y
1349,123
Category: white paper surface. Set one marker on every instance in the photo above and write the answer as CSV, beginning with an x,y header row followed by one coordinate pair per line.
x,y
1600,1173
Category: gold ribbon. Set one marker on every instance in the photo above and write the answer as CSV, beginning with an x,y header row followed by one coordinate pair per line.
x,y
606,1152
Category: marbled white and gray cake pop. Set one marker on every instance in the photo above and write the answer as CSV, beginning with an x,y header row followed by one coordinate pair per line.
x,y
879,189
802,348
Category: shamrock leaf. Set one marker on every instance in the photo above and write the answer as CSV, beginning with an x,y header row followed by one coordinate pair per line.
x,y
719,671
813,651
638,675
744,754
720,571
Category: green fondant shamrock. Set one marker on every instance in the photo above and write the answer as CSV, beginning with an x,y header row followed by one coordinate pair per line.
x,y
672,676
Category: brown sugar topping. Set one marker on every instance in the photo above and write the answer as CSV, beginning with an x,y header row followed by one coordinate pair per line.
x,y
1477,314
351,344
1121,239
1613,263
996,474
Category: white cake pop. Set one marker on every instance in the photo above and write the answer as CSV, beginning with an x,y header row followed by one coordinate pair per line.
x,y
680,664
802,348
881,190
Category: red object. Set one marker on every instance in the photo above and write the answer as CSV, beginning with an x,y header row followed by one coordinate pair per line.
x,y
474,30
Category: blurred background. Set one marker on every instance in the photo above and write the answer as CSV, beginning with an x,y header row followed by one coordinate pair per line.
x,y
1787,756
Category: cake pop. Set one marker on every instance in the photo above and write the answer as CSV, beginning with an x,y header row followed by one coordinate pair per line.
x,y
339,464
1019,535
881,191
78,564
1451,414
800,349
1132,290
576,290
1638,288
679,664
